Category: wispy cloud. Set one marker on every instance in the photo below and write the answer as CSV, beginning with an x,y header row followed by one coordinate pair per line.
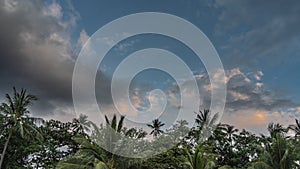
x,y
254,34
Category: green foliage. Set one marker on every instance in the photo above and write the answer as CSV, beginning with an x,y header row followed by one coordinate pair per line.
x,y
280,153
16,120
172,159
57,145
113,124
82,124
28,142
225,142
205,121
200,159
295,128
90,155
275,129
205,118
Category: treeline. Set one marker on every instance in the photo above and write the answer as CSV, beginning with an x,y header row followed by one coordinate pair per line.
x,y
28,142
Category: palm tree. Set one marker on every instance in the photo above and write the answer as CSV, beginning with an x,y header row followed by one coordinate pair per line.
x,y
296,128
204,118
230,132
113,131
276,128
2,126
259,165
156,125
205,121
16,117
90,155
279,154
200,159
82,124
113,123
224,140
99,150
135,133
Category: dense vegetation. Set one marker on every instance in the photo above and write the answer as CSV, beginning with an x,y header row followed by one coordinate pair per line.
x,y
27,142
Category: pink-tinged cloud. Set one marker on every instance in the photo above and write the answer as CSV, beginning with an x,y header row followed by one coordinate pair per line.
x,y
257,120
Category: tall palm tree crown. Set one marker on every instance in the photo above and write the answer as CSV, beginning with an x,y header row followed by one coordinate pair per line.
x,y
205,118
113,123
156,125
16,117
296,128
82,124
276,128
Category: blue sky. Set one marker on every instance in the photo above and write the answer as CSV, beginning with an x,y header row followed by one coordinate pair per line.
x,y
279,64
258,44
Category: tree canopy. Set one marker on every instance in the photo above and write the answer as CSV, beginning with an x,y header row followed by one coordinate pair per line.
x,y
28,142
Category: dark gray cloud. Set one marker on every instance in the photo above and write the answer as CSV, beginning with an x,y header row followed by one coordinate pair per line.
x,y
36,51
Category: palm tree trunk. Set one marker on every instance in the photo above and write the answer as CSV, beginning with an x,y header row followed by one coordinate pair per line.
x,y
4,149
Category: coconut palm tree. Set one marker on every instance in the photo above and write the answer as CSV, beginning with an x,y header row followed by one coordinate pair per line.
x,y
97,152
156,125
82,124
112,132
205,122
279,154
276,128
230,132
295,128
16,116
200,159
113,123
89,156
135,133
205,118
2,126
224,142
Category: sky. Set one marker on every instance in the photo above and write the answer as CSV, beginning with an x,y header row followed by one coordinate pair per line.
x,y
257,42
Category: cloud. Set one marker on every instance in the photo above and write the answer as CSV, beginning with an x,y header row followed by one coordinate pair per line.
x,y
256,120
258,75
111,40
54,10
174,99
83,38
254,33
36,52
246,94
252,119
248,104
239,96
